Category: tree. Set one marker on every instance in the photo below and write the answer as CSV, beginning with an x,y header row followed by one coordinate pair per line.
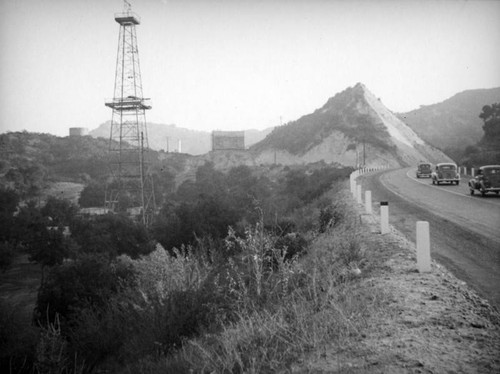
x,y
48,248
111,235
89,280
61,212
92,195
491,118
210,181
8,201
486,113
6,255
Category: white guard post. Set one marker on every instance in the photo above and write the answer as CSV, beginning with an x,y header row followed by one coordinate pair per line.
x,y
384,217
423,247
368,202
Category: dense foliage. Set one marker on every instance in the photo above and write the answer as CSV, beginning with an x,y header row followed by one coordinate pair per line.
x,y
206,206
109,297
491,127
33,159
487,151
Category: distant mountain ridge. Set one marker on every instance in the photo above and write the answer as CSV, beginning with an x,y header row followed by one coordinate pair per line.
x,y
167,138
455,122
352,128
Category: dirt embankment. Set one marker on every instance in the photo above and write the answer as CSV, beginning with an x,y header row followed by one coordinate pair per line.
x,y
429,323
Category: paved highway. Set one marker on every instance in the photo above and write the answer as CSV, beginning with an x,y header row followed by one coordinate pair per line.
x,y
464,229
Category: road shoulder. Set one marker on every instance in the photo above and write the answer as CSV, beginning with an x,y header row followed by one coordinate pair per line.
x,y
427,323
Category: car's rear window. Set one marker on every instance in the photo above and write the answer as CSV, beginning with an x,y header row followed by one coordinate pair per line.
x,y
495,171
424,167
447,167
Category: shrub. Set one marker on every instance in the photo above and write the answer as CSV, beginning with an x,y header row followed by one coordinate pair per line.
x,y
319,308
74,285
7,254
17,340
259,277
111,235
51,350
61,212
291,245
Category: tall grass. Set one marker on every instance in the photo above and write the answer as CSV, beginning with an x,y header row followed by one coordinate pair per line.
x,y
317,305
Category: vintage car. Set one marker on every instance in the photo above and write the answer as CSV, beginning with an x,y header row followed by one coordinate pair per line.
x,y
487,179
424,169
446,172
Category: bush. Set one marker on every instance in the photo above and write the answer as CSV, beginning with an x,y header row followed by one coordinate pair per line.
x,y
73,286
51,350
173,298
291,245
7,254
17,340
111,235
92,195
189,313
61,212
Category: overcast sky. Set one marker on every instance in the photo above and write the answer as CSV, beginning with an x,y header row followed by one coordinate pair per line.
x,y
239,64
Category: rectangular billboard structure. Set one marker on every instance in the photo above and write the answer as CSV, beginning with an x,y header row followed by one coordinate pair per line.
x,y
228,140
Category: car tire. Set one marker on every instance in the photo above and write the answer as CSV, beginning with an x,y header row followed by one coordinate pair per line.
x,y
457,182
471,192
483,192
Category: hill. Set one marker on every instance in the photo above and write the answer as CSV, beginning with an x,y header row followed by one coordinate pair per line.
x,y
455,122
352,128
30,161
193,142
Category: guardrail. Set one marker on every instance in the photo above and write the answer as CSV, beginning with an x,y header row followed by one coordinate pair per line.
x,y
423,246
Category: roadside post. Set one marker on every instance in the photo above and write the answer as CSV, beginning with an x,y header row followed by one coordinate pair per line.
x,y
472,172
384,217
368,202
423,247
353,177
358,195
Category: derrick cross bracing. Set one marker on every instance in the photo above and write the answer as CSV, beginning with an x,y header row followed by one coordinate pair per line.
x,y
130,186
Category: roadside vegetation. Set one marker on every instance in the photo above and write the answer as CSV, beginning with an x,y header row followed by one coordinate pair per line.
x,y
244,271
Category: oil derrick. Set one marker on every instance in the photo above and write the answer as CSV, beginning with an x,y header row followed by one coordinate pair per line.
x,y
130,186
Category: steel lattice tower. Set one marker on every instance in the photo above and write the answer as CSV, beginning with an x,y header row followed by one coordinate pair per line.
x,y
130,185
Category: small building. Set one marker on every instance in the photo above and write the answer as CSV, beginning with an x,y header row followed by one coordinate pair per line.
x,y
78,131
228,140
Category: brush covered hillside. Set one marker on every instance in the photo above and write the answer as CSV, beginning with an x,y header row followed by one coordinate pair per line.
x,y
193,142
29,162
455,122
350,122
